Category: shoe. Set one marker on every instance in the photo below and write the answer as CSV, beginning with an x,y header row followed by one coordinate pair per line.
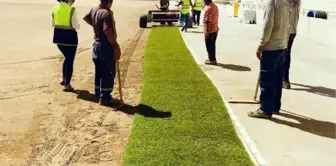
x,y
68,88
259,114
286,85
109,102
208,62
62,83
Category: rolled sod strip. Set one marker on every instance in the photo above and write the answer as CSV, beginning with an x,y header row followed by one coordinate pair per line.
x,y
182,120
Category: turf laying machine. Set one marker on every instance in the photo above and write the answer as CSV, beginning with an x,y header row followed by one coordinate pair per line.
x,y
162,15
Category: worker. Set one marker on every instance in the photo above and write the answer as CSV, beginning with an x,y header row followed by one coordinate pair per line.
x,y
197,8
164,5
65,24
294,19
210,29
271,53
106,50
185,13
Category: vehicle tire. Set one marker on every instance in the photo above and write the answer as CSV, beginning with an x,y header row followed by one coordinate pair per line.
x,y
190,22
162,23
170,23
321,15
143,21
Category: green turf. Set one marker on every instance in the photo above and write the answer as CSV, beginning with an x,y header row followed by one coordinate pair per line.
x,y
199,131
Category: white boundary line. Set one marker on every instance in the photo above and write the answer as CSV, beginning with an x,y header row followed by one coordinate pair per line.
x,y
249,145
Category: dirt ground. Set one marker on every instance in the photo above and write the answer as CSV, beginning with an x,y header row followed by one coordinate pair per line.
x,y
39,123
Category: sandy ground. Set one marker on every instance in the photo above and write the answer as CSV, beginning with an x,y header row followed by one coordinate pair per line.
x,y
39,123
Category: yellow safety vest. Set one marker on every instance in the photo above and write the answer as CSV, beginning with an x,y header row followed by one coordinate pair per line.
x,y
198,5
62,15
185,7
64,33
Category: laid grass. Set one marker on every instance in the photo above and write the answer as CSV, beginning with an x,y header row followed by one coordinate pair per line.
x,y
199,131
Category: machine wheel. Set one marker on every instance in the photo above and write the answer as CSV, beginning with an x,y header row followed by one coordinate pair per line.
x,y
321,14
190,22
170,23
162,23
143,21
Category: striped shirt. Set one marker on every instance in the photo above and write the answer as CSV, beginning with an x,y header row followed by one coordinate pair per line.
x,y
210,20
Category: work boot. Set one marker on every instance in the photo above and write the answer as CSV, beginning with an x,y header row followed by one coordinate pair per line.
x,y
259,114
68,88
286,85
62,83
109,103
208,62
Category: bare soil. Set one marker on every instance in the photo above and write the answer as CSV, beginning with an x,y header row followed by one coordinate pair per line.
x,y
42,125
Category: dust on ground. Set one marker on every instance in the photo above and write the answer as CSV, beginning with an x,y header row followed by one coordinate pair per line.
x,y
42,125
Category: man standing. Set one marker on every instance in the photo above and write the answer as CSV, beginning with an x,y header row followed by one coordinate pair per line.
x,y
294,19
185,10
197,8
271,53
65,24
210,28
164,6
106,50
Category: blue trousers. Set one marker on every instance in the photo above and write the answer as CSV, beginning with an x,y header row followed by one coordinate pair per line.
x,y
181,19
185,19
196,17
271,74
105,70
69,53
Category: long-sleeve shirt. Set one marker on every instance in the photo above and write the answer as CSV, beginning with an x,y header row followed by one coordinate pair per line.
x,y
294,19
277,25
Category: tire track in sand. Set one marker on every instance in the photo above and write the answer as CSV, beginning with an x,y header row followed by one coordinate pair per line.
x,y
69,144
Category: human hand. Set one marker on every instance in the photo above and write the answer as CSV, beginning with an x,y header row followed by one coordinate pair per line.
x,y
259,51
206,34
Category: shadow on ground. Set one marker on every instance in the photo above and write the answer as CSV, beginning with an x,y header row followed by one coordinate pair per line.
x,y
141,109
196,32
234,67
313,126
323,91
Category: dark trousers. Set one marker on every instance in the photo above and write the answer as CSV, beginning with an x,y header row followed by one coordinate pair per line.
x,y
185,20
196,17
181,19
271,67
69,53
105,70
288,57
210,43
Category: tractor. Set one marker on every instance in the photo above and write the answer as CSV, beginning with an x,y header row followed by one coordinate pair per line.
x,y
162,16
